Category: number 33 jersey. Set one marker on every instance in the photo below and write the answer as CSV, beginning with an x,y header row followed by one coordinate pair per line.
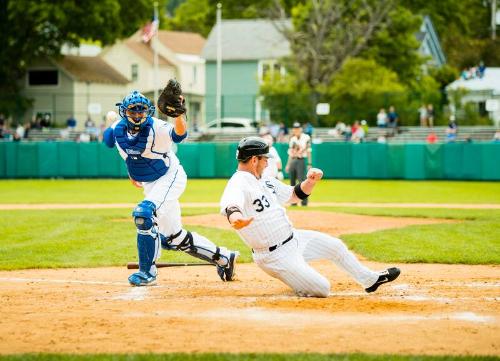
x,y
262,199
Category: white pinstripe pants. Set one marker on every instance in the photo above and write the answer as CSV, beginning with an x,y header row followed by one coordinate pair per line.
x,y
288,263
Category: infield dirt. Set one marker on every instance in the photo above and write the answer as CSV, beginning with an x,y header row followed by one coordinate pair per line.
x,y
430,309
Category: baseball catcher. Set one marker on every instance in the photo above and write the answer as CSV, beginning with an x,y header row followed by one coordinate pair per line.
x,y
145,144
253,205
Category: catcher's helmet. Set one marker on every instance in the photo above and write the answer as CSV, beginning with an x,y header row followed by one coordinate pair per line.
x,y
250,146
136,109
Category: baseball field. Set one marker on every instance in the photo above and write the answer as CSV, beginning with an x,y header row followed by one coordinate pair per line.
x,y
64,293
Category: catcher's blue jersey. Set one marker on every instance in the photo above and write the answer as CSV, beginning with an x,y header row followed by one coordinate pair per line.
x,y
147,154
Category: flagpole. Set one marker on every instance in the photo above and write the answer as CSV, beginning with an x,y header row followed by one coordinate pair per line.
x,y
154,42
218,95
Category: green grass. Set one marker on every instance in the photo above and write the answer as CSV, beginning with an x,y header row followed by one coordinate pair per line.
x,y
210,190
93,238
85,238
241,357
474,240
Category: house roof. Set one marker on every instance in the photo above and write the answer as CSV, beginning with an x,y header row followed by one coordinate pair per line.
x,y
91,69
429,41
182,42
489,82
249,39
144,50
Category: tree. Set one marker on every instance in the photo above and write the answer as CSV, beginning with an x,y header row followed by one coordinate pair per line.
x,y
39,28
396,45
326,33
361,88
200,15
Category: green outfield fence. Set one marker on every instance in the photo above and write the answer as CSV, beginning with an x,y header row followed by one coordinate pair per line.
x,y
464,161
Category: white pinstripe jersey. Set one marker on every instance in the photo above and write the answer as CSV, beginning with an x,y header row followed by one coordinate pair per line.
x,y
262,199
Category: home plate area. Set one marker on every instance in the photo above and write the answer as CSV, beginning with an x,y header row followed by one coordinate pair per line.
x,y
429,309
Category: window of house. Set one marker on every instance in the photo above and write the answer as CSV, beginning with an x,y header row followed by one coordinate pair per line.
x,y
270,68
43,77
135,72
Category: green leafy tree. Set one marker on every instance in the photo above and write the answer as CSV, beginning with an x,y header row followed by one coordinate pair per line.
x,y
361,88
396,45
39,28
462,26
287,98
200,15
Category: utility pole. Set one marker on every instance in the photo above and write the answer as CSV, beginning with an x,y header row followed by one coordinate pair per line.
x,y
493,19
218,91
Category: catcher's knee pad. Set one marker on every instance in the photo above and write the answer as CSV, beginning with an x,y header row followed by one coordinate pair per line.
x,y
143,216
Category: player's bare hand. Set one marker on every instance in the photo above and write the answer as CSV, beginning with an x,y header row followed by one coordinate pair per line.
x,y
241,222
314,174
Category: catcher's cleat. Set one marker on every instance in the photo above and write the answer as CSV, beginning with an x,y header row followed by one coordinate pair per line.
x,y
388,275
142,279
226,273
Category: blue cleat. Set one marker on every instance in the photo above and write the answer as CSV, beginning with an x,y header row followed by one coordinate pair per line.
x,y
226,273
142,279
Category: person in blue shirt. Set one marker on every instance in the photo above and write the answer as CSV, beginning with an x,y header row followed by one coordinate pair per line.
x,y
145,144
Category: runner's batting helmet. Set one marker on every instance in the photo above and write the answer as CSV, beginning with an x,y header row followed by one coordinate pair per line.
x,y
250,146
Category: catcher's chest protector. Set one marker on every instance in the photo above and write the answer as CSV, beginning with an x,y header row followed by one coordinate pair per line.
x,y
140,168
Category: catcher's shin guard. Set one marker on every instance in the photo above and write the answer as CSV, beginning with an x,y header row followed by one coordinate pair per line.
x,y
148,237
188,245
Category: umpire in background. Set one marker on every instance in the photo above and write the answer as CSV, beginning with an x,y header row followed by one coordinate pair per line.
x,y
299,152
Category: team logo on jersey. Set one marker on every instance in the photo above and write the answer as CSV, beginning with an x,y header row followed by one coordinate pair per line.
x,y
270,186
132,151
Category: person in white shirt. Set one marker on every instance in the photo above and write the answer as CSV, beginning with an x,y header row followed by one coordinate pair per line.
x,y
274,165
253,205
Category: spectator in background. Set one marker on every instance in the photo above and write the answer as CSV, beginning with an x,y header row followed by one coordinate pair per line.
x,y
382,139
452,129
393,118
19,133
308,129
422,114
496,137
71,122
430,115
274,165
45,121
381,119
364,125
481,68
339,130
283,133
432,138
358,133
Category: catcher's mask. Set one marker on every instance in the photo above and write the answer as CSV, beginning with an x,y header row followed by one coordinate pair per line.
x,y
250,146
136,108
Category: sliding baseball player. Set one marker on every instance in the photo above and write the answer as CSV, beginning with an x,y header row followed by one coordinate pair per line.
x,y
254,207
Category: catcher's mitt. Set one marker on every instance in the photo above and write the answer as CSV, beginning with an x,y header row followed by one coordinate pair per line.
x,y
171,102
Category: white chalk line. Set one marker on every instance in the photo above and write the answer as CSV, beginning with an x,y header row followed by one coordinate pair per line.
x,y
278,318
406,291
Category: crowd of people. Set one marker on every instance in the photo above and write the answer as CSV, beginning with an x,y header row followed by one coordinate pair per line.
x,y
474,72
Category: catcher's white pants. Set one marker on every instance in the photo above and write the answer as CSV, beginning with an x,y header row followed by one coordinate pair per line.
x,y
289,264
165,193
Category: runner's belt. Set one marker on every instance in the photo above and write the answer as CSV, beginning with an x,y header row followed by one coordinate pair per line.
x,y
272,248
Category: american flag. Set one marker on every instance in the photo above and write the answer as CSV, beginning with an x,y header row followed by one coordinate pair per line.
x,y
150,29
